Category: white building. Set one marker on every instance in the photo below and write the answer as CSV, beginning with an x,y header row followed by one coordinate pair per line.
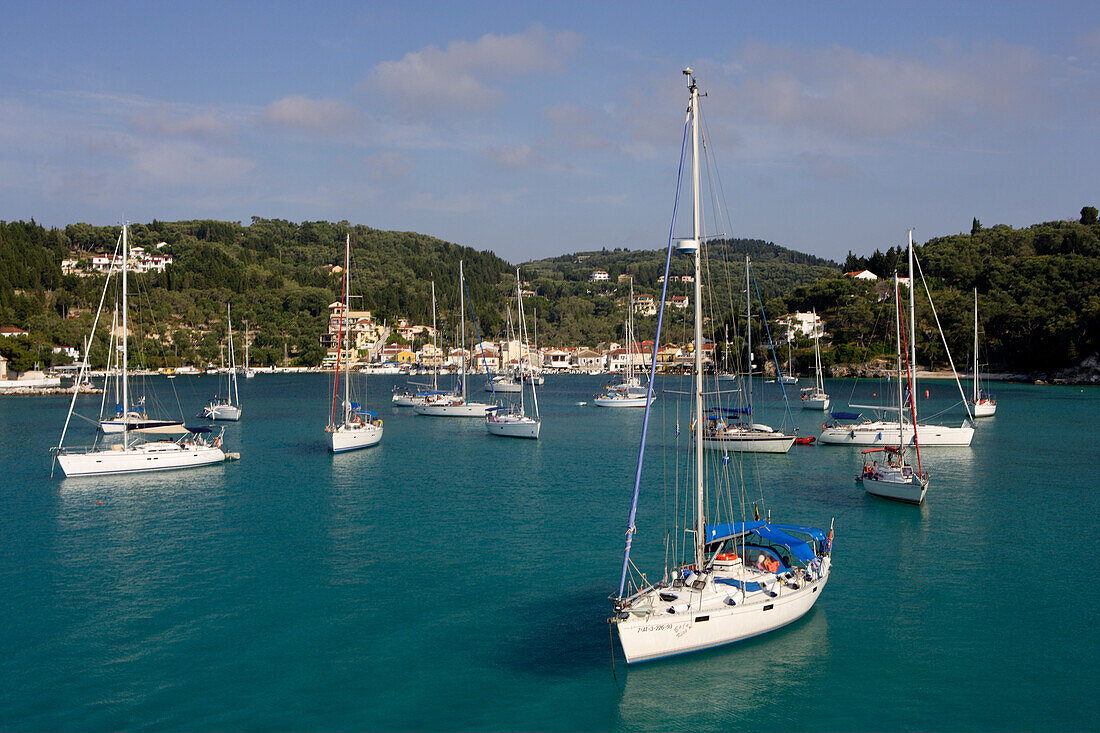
x,y
862,275
801,324
598,276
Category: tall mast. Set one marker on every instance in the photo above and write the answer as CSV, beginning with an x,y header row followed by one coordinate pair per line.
x,y
235,393
696,227
976,392
435,346
630,334
462,318
125,346
913,331
522,339
748,334
347,325
901,388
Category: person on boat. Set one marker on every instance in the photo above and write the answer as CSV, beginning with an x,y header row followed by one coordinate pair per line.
x,y
761,561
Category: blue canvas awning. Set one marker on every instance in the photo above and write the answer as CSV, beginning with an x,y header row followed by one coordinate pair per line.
x,y
719,532
798,548
817,534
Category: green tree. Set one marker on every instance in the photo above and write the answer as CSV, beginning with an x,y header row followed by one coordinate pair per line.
x,y
1088,215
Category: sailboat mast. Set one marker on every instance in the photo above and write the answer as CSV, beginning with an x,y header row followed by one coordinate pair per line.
x,y
630,334
748,336
462,328
347,326
976,392
125,346
522,340
901,388
696,221
913,330
235,394
435,346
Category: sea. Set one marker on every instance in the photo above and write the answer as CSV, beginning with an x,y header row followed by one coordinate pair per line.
x,y
452,580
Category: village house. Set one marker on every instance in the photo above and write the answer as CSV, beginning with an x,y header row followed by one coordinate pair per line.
x,y
862,275
430,356
556,359
798,324
598,276
12,331
588,360
644,305
678,301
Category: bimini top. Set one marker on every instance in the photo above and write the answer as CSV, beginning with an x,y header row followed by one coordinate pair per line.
x,y
774,533
846,415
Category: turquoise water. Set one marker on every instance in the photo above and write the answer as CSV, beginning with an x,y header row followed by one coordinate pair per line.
x,y
451,580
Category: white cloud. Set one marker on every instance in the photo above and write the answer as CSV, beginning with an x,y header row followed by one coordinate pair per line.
x,y
515,156
204,125
462,77
187,164
319,116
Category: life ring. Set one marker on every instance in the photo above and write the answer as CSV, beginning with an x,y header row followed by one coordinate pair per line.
x,y
378,422
726,557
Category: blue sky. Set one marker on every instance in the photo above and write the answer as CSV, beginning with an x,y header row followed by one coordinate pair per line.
x,y
534,129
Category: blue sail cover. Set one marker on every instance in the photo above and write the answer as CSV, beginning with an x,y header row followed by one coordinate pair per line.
x,y
846,415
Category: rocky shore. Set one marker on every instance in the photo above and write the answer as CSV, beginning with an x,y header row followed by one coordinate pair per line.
x,y
24,391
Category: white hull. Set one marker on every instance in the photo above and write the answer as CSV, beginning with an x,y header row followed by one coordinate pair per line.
x,y
514,427
115,427
621,401
816,403
886,433
466,409
401,400
788,380
345,438
154,456
704,620
910,492
224,413
983,408
750,442
508,387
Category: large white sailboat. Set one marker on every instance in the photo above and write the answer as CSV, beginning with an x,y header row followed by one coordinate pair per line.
x,y
455,405
982,404
350,426
742,578
896,478
228,407
845,431
136,453
733,429
629,392
512,421
816,398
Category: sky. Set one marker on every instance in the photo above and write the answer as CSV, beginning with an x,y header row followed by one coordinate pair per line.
x,y
540,128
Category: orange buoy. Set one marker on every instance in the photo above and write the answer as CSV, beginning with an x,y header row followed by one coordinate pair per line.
x,y
925,394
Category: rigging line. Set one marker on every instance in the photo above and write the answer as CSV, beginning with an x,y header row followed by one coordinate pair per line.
x,y
653,363
942,334
771,347
88,349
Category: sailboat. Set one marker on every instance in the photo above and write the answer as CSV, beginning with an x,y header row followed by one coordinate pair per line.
x,y
982,404
136,417
248,373
455,405
895,478
844,431
227,408
511,381
742,578
628,392
788,377
720,432
411,397
350,427
195,447
508,421
816,398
